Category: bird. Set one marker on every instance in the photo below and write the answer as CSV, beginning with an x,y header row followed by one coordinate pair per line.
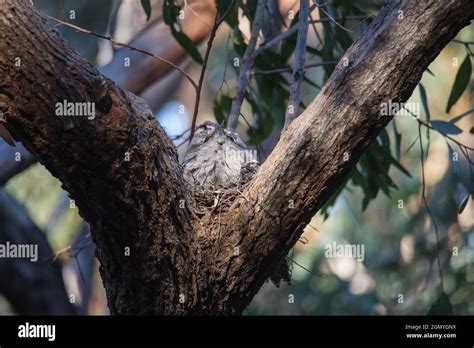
x,y
218,161
218,158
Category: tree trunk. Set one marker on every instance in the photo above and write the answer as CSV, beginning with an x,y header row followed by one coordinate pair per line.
x,y
176,264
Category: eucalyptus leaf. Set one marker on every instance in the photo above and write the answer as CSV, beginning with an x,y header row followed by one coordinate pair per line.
x,y
445,128
463,204
460,117
424,101
147,8
461,82
170,13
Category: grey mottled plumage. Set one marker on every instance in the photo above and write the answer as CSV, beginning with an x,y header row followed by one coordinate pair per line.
x,y
218,159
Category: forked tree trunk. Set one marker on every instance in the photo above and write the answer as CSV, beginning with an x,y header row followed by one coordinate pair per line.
x,y
175,266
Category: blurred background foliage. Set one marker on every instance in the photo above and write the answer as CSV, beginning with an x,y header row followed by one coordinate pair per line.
x,y
379,206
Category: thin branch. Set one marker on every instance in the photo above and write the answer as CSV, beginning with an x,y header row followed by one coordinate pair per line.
x,y
344,18
461,145
217,22
283,36
463,42
282,70
178,136
428,210
247,63
188,6
298,66
445,135
73,247
121,44
249,57
224,81
303,267
333,20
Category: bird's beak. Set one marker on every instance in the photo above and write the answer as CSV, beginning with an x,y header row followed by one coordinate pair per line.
x,y
221,137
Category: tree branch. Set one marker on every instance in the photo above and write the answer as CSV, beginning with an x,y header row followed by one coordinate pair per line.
x,y
307,165
120,167
246,66
217,22
175,264
282,70
130,47
249,57
298,66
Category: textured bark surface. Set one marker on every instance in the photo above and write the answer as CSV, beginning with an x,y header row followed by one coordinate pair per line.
x,y
136,203
132,203
385,63
20,276
149,77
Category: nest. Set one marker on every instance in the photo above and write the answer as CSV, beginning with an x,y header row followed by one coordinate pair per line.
x,y
215,200
210,203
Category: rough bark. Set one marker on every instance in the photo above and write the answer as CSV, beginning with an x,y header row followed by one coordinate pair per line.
x,y
307,165
20,276
132,203
146,75
136,203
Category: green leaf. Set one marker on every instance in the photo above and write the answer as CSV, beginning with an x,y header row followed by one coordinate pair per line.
x,y
343,38
231,18
398,140
442,306
288,46
146,7
374,166
463,204
188,45
461,81
170,13
400,167
460,117
221,108
424,102
430,72
445,128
